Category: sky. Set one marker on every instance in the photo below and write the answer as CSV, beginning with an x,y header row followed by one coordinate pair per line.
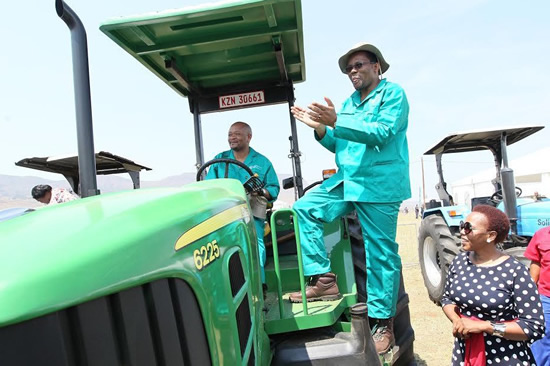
x,y
465,65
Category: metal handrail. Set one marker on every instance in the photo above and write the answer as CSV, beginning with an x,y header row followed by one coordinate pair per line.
x,y
276,260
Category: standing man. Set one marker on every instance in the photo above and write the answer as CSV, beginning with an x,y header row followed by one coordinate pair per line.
x,y
368,137
538,251
239,137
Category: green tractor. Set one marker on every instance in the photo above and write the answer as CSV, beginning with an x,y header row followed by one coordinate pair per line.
x,y
170,276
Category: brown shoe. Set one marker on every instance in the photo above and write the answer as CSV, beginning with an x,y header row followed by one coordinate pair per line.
x,y
320,288
383,335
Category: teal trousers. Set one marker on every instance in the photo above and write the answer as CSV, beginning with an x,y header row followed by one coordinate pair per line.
x,y
260,224
379,225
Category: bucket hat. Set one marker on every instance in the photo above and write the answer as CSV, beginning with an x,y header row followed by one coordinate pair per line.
x,y
343,61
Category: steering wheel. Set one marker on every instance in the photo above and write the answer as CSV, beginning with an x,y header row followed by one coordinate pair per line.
x,y
252,184
497,196
314,184
227,162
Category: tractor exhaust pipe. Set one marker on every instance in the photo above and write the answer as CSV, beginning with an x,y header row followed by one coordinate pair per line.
x,y
508,187
83,105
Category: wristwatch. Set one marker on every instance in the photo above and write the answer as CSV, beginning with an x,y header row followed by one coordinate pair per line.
x,y
499,329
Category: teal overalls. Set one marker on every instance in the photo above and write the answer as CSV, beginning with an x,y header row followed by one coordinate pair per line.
x,y
260,165
370,145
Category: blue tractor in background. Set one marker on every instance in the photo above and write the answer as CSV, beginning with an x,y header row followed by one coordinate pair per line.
x,y
439,233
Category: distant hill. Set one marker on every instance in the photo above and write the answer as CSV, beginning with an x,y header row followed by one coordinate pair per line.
x,y
14,187
15,191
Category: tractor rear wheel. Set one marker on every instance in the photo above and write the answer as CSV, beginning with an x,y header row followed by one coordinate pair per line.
x,y
519,254
436,250
403,353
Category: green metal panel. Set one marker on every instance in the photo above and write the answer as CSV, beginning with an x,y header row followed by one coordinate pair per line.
x,y
69,254
198,50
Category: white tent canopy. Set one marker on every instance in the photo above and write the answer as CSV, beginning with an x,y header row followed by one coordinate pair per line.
x,y
531,172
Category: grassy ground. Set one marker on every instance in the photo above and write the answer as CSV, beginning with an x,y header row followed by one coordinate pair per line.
x,y
434,341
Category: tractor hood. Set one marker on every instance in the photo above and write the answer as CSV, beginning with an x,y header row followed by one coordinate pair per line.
x,y
70,253
534,215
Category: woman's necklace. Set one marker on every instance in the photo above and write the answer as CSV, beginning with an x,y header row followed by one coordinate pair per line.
x,y
486,262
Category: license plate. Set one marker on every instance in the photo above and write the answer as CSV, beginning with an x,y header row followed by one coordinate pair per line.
x,y
237,100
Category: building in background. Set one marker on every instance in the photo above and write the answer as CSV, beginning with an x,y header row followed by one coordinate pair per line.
x,y
531,172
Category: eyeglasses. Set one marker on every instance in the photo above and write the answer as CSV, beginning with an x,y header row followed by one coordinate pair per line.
x,y
357,66
468,228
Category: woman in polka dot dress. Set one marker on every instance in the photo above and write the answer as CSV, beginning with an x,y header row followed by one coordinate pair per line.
x,y
490,297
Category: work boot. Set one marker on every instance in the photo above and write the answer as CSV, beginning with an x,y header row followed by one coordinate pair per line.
x,y
320,288
383,335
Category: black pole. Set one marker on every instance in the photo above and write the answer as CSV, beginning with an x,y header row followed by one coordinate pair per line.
x,y
508,186
199,152
295,150
83,105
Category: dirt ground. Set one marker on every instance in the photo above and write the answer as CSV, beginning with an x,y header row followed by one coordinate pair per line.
x,y
433,339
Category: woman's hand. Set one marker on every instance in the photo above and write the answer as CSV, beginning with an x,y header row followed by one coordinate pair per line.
x,y
458,328
463,327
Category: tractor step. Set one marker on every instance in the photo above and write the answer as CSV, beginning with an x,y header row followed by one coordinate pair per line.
x,y
320,313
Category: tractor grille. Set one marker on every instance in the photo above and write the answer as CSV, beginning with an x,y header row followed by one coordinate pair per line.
x,y
242,314
243,323
158,323
236,274
252,358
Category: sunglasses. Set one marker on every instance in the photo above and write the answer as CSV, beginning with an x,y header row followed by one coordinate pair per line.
x,y
468,228
357,66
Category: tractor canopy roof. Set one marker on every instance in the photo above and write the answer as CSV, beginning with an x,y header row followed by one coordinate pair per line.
x,y
106,163
481,139
222,56
224,47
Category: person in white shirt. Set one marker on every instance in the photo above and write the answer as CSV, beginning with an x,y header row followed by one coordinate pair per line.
x,y
44,193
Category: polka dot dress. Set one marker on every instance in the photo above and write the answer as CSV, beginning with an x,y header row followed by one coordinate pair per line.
x,y
497,293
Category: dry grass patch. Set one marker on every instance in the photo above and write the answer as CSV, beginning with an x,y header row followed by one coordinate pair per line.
x,y
434,341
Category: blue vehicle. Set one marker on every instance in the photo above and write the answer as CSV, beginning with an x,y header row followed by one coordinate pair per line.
x,y
439,233
10,213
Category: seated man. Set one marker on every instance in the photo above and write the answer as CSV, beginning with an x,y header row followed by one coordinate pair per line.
x,y
239,138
